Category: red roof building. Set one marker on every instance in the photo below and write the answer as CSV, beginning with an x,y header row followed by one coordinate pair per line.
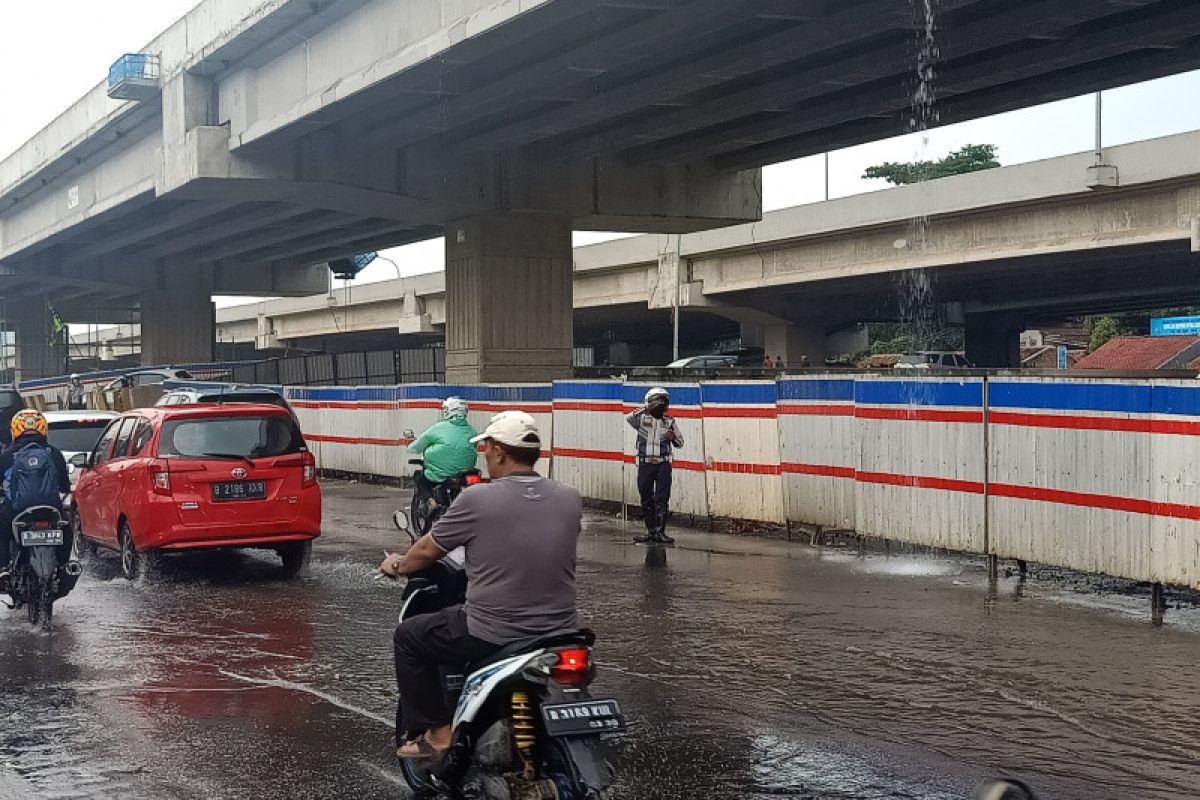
x,y
1143,352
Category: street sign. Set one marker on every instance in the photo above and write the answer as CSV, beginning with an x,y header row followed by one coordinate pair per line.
x,y
1175,326
1062,356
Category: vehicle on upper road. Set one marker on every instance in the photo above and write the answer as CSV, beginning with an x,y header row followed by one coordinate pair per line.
x,y
225,393
704,362
148,377
198,477
10,403
931,359
75,433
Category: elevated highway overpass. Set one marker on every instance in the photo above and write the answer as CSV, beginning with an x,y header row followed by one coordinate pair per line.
x,y
1002,248
288,132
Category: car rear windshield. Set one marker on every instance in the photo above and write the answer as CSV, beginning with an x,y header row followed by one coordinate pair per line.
x,y
241,437
78,436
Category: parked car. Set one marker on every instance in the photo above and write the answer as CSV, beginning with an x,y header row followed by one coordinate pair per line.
x,y
933,360
148,377
174,478
10,403
231,393
75,433
704,362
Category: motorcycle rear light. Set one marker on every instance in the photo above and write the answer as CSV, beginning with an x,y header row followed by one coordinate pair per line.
x,y
41,523
473,480
572,667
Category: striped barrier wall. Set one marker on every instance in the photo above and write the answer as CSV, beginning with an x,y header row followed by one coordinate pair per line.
x,y
1101,476
820,450
920,475
1098,475
741,455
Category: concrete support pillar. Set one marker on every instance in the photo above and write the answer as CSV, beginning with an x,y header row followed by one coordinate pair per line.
x,y
37,356
509,314
799,345
178,327
993,341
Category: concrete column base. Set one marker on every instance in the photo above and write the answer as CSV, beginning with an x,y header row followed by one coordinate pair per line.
x,y
993,341
509,314
178,327
33,331
798,345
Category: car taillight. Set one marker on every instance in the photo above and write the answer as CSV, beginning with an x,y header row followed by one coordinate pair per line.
x,y
572,667
310,470
161,478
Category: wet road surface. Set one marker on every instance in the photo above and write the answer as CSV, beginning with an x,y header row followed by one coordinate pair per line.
x,y
749,668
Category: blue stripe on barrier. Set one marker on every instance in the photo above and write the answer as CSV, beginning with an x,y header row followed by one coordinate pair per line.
x,y
734,393
1116,398
817,389
606,390
483,394
681,395
919,393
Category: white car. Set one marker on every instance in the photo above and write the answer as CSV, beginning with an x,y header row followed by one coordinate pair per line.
x,y
75,433
930,359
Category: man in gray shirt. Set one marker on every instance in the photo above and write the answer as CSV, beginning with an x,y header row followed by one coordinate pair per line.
x,y
519,533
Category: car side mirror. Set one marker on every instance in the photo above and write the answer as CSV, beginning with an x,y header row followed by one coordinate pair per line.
x,y
80,460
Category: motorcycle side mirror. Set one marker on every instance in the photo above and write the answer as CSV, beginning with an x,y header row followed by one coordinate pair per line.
x,y
410,434
401,521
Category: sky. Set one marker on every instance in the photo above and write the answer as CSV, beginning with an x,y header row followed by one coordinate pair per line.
x,y
52,52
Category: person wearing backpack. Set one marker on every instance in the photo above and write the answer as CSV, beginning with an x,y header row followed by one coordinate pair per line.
x,y
35,474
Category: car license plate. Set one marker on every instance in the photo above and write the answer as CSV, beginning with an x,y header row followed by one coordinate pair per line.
x,y
239,490
583,718
38,537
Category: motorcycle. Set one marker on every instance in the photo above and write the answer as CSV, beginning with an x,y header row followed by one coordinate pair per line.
x,y
525,726
425,509
36,580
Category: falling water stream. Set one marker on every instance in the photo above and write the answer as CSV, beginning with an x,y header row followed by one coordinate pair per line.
x,y
915,287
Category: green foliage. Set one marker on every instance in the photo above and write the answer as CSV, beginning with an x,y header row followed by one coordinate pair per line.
x,y
907,338
971,158
1101,330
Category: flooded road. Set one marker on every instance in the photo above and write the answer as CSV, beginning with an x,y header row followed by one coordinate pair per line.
x,y
748,668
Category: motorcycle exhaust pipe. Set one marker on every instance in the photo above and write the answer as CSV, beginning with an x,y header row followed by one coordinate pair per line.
x,y
73,568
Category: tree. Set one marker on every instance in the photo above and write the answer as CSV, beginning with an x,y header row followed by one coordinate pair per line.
x,y
971,158
1102,329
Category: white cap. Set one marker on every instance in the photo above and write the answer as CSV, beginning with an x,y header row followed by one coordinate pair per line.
x,y
513,428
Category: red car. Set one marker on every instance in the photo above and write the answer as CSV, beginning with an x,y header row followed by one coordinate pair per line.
x,y
200,477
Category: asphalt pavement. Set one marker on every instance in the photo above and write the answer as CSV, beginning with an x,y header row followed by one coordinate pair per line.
x,y
749,668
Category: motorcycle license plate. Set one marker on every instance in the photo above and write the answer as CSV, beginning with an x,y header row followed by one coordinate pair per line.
x,y
583,718
39,537
239,490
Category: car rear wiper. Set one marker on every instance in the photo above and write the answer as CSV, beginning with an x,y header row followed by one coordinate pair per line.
x,y
230,457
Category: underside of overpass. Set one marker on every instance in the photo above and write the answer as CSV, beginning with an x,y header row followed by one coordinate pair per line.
x,y
339,126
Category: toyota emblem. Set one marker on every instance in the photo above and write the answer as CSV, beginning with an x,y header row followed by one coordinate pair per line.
x,y
239,472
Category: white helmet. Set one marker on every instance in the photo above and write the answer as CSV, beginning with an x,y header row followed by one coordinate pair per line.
x,y
454,407
657,393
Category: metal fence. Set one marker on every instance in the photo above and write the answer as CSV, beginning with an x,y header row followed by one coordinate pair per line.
x,y
361,368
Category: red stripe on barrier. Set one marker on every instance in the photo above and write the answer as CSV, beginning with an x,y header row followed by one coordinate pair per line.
x,y
1088,500
918,414
739,413
361,440
818,409
595,455
920,482
585,405
379,405
1085,423
743,468
820,470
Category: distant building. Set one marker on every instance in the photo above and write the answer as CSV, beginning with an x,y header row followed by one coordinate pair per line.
x,y
1143,352
1046,357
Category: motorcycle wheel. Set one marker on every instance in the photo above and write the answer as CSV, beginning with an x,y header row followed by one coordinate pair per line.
x,y
45,599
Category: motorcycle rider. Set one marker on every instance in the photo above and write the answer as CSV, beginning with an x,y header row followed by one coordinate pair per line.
x,y
657,436
446,447
519,533
76,396
29,429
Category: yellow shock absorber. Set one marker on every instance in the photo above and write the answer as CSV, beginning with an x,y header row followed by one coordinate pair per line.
x,y
524,733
